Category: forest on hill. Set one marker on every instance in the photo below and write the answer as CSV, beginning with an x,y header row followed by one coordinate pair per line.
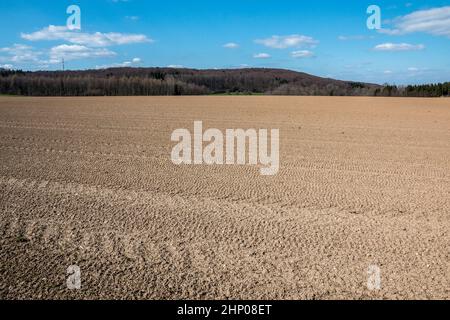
x,y
171,81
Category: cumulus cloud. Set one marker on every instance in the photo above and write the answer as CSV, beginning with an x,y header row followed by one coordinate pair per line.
x,y
261,56
96,39
22,54
302,54
75,52
231,45
175,66
434,21
131,63
19,53
15,48
357,37
6,66
398,47
290,41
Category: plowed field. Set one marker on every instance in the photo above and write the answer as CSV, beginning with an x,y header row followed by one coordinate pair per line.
x,y
89,182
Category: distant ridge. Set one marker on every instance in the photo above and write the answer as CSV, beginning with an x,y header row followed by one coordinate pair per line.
x,y
181,81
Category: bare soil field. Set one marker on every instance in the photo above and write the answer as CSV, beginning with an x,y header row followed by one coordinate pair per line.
x,y
90,182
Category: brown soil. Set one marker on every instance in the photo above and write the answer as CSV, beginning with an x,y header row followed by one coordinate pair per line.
x,y
89,182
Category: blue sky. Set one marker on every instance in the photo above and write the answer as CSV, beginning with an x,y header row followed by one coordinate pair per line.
x,y
325,38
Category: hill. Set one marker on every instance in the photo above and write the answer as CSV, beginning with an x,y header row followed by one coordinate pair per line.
x,y
171,81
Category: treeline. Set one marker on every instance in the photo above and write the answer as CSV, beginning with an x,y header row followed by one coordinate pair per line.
x,y
426,90
29,84
169,81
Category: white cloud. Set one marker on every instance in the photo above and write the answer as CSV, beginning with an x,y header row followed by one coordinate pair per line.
x,y
121,64
357,37
283,42
231,45
133,18
96,39
302,54
387,72
75,52
413,69
398,47
261,56
15,48
20,53
434,21
6,66
175,66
